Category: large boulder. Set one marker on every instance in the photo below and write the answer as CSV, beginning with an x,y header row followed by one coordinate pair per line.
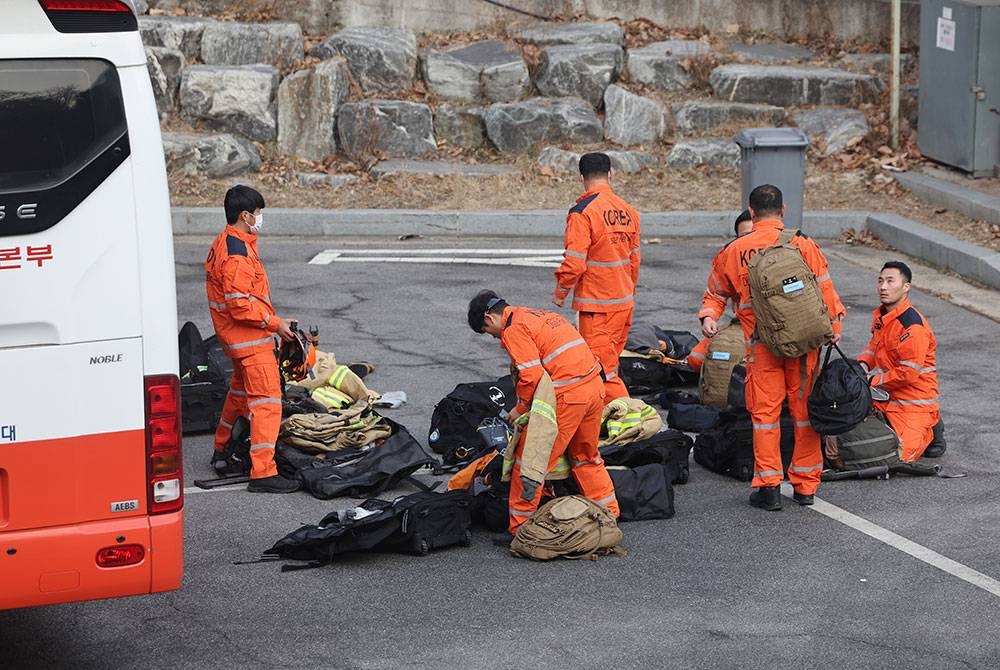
x,y
699,116
232,98
788,86
581,70
483,68
632,119
229,43
692,153
308,101
548,34
380,59
661,65
183,33
391,127
836,128
460,126
771,52
165,66
209,155
561,160
519,126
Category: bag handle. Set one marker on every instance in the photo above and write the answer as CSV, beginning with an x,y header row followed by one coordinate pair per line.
x,y
826,361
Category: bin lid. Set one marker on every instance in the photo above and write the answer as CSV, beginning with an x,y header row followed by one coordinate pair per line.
x,y
752,138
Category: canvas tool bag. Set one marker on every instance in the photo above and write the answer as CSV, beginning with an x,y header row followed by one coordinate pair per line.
x,y
568,527
726,351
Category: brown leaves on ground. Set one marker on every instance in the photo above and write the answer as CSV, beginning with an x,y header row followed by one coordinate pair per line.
x,y
863,238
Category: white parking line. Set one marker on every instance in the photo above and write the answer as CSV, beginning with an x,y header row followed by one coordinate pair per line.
x,y
918,551
518,257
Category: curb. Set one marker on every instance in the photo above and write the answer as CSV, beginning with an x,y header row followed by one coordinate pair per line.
x,y
974,204
530,223
937,248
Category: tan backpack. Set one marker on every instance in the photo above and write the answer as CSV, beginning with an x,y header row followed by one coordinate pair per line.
x,y
727,350
568,527
792,318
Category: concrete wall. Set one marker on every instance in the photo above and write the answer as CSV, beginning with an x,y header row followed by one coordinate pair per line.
x,y
866,20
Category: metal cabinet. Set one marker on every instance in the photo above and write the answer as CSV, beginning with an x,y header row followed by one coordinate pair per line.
x,y
959,122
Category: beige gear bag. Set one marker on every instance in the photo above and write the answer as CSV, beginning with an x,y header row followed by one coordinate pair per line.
x,y
726,351
568,527
792,318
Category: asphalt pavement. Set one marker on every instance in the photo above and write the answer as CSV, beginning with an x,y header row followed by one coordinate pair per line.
x,y
721,585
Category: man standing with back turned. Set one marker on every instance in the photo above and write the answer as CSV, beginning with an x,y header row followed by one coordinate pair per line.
x,y
601,266
770,378
239,300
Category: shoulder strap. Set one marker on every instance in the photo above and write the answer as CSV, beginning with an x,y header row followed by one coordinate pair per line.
x,y
787,234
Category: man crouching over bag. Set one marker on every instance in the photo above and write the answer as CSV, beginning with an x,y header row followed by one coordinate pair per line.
x,y
544,342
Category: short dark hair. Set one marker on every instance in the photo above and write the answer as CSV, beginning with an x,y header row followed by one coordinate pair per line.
x,y
594,164
766,200
241,199
479,306
903,268
743,217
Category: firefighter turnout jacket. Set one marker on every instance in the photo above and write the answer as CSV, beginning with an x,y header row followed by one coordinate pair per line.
x,y
239,295
601,256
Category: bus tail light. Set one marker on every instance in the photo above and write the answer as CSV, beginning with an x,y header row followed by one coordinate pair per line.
x,y
120,555
164,464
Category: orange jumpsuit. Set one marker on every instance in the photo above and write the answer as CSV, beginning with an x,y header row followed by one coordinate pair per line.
x,y
601,266
239,300
902,359
770,378
538,341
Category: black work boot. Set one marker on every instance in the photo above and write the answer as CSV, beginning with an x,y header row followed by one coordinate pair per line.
x,y
803,499
275,484
767,498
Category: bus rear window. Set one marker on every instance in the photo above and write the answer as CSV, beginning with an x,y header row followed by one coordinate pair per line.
x,y
57,116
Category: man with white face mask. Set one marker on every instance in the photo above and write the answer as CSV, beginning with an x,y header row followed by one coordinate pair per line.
x,y
239,300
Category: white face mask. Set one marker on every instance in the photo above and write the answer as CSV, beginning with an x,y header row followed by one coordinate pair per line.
x,y
258,221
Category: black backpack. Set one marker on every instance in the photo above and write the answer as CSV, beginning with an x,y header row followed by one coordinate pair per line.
x,y
204,372
464,423
841,398
643,376
415,523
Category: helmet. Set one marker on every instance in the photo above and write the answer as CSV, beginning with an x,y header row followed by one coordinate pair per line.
x,y
297,357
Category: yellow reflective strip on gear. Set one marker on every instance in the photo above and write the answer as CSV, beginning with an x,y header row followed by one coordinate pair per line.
x,y
562,465
544,409
338,376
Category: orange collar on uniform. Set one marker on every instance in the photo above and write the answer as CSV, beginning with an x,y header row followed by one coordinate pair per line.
x,y
600,188
506,317
775,224
249,238
885,317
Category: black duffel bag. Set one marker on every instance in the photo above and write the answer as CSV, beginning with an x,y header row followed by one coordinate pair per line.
x,y
644,492
841,397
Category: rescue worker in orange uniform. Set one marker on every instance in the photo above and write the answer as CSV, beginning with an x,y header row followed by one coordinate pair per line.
x,y
601,267
742,226
538,341
770,378
902,359
239,300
